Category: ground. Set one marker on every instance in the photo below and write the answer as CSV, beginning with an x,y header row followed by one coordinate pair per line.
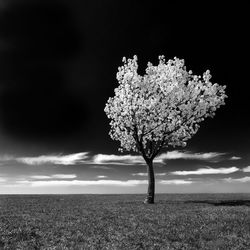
x,y
176,221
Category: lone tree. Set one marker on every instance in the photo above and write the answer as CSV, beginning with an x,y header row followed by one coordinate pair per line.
x,y
161,109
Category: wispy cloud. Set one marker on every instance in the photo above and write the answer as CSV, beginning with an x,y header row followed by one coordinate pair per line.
x,y
140,174
174,155
201,171
45,177
70,159
100,160
137,159
64,176
243,179
160,174
117,159
41,177
175,182
246,169
2,179
54,176
101,176
82,183
101,167
235,158
146,174
4,158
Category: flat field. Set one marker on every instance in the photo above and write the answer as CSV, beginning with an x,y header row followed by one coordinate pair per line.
x,y
176,221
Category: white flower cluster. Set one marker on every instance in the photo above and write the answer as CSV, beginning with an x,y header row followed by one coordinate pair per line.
x,y
162,108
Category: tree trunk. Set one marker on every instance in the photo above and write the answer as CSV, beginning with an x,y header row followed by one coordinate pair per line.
x,y
151,183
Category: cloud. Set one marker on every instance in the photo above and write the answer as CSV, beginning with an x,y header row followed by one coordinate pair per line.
x,y
104,159
175,182
235,158
54,176
243,179
64,176
83,183
140,174
137,159
2,179
101,167
70,159
174,155
146,174
207,171
4,158
246,169
41,177
160,174
101,176
118,159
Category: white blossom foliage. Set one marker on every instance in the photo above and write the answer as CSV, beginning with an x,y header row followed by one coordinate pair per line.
x,y
162,108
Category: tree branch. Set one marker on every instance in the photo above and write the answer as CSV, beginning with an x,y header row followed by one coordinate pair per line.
x,y
158,148
139,144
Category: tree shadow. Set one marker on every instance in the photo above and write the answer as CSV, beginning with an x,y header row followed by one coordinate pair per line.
x,y
224,202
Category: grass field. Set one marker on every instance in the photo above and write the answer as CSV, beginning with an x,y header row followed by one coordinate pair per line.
x,y
176,221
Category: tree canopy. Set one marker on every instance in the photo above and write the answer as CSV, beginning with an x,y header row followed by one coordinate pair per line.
x,y
162,108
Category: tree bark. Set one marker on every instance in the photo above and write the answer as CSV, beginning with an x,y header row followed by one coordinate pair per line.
x,y
151,183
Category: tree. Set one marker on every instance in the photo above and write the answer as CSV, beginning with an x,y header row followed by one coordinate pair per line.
x,y
161,109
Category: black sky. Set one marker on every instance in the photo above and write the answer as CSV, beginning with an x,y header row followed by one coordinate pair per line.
x,y
58,63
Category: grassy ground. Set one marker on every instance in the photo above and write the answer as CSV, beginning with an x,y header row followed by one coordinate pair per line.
x,y
189,221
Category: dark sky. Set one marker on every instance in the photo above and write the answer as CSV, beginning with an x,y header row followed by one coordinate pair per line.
x,y
58,64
